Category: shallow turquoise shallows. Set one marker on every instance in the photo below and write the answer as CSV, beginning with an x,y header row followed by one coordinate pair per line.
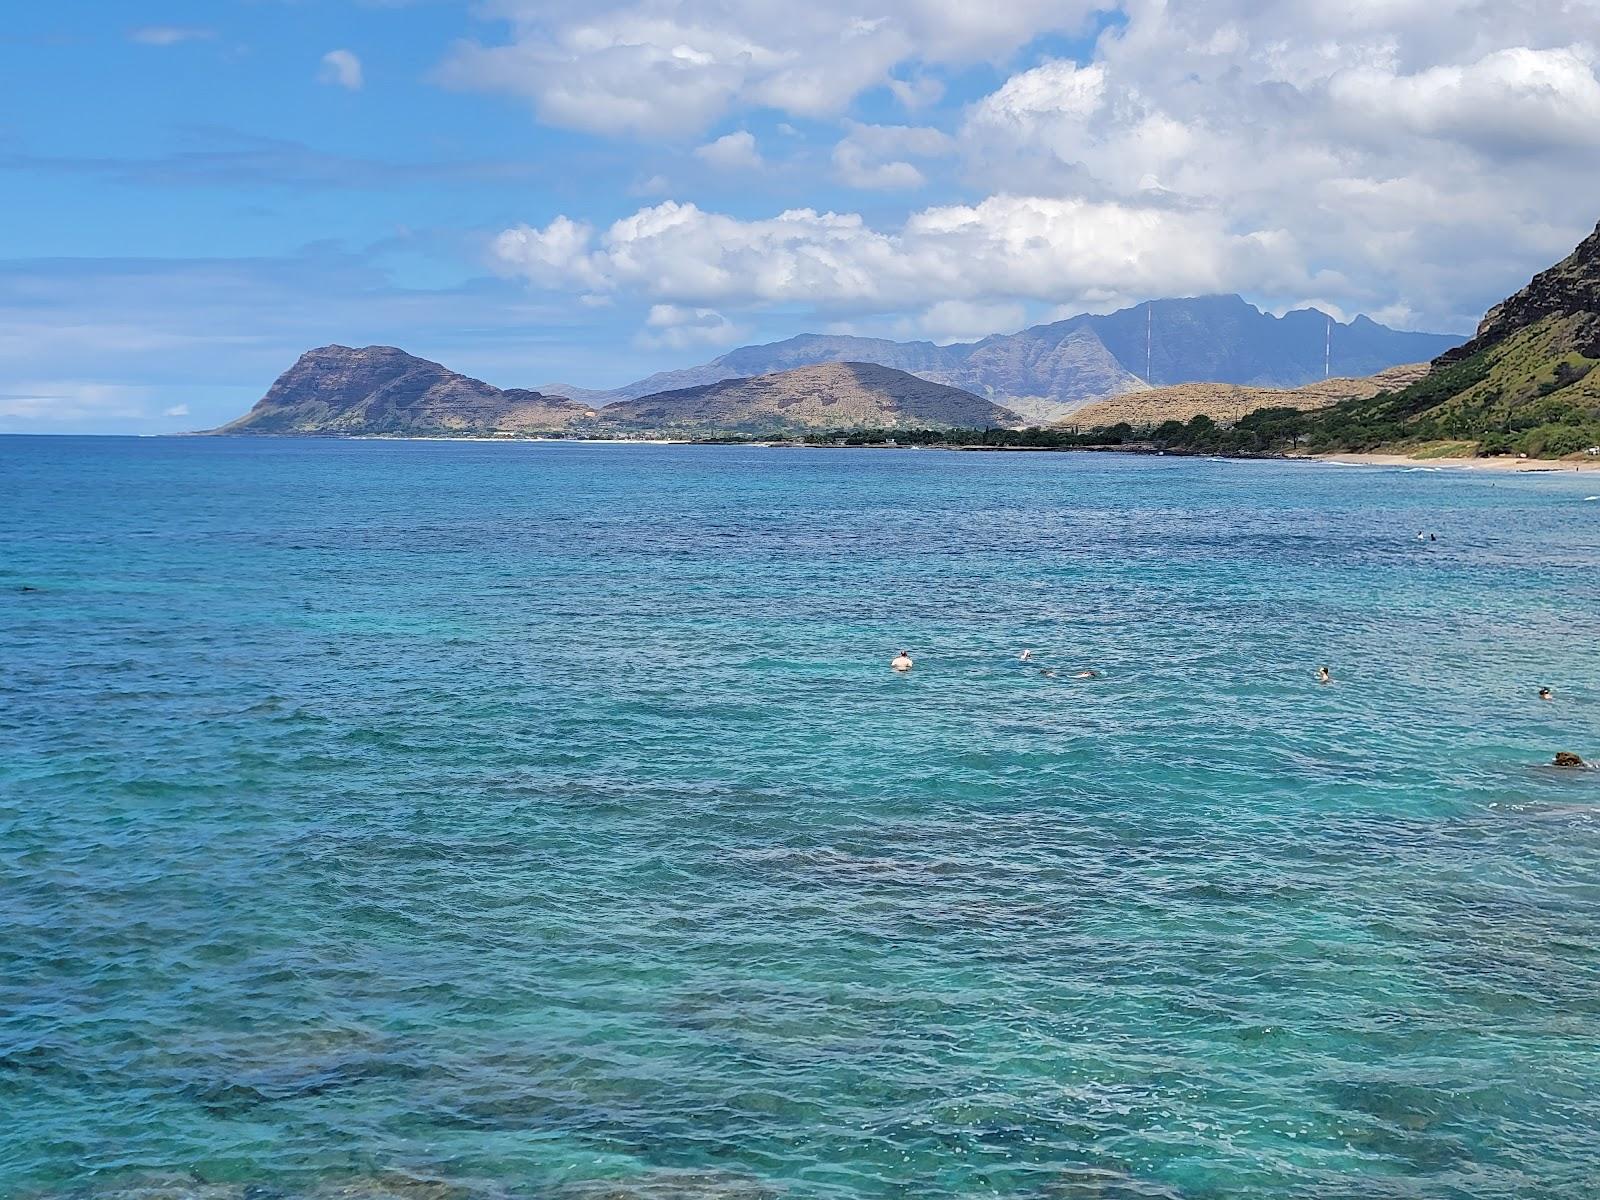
x,y
449,820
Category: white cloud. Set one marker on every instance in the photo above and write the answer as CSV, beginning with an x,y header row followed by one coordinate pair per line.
x,y
655,185
1513,100
169,35
917,93
555,256
71,401
875,156
1010,247
1423,156
731,152
1416,158
177,410
341,68
650,68
964,320
674,327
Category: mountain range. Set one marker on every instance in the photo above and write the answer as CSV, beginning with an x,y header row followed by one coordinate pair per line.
x,y
383,391
1045,372
1039,375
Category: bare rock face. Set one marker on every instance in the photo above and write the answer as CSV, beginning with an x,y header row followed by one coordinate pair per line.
x,y
1566,758
1570,289
383,390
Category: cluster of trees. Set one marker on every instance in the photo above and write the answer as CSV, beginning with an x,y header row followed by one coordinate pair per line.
x,y
1032,438
1548,426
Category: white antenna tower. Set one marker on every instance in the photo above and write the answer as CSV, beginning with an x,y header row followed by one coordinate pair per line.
x,y
1149,320
1327,351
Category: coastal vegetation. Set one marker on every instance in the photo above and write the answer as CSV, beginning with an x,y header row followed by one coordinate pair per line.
x,y
1525,384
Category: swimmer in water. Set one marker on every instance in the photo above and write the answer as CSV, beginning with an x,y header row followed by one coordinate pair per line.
x,y
1087,675
1025,656
1546,694
1324,675
902,661
1047,672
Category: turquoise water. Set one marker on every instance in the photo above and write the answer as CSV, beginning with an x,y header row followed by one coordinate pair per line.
x,y
441,821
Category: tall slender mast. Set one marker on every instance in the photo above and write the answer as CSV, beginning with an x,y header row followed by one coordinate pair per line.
x,y
1149,319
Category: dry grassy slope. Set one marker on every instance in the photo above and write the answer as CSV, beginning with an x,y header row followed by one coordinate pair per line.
x,y
1226,402
822,397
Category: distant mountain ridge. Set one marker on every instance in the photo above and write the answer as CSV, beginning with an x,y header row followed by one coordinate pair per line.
x,y
1045,372
383,391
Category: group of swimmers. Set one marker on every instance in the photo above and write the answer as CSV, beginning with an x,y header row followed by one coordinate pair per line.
x,y
903,662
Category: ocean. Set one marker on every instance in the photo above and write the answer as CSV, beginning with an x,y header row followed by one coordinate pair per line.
x,y
450,820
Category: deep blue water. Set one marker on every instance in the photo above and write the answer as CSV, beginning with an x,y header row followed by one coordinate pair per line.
x,y
439,821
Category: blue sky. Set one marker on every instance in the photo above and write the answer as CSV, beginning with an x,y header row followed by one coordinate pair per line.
x,y
549,191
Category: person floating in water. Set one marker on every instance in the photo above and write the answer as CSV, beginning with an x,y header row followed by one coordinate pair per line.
x,y
1087,675
1324,675
1546,694
902,661
1025,656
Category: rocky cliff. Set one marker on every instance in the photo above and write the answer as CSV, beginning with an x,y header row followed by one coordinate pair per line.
x,y
382,390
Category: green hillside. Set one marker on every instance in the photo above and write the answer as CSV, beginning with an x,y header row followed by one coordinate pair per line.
x,y
1526,383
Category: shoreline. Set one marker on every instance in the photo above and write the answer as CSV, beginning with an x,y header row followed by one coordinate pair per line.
x,y
1498,462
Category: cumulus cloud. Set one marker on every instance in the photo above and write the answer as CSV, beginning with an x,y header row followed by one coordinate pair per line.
x,y
645,67
71,401
964,320
1512,101
731,152
169,35
341,68
675,327
1410,158
1042,248
1422,155
876,156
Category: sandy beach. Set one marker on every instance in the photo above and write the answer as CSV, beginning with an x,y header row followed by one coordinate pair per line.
x,y
1503,462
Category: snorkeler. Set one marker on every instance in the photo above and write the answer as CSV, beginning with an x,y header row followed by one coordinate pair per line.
x,y
1087,675
1324,675
1546,694
902,661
